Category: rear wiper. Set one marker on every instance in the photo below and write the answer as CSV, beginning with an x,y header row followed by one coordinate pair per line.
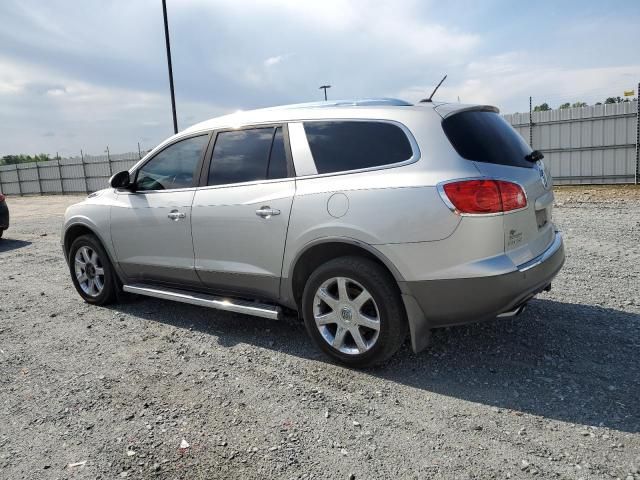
x,y
534,156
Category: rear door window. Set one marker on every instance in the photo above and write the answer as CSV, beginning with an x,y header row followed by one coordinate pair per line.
x,y
486,137
339,146
248,155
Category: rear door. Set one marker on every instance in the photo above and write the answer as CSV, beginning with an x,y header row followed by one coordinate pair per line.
x,y
498,152
241,212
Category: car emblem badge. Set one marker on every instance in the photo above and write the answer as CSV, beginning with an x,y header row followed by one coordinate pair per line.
x,y
346,314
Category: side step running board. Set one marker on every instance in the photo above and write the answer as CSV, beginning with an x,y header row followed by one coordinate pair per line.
x,y
202,299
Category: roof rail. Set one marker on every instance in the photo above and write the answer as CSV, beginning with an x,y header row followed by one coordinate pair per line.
x,y
363,102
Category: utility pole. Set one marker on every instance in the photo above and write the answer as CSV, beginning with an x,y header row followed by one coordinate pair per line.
x,y
324,87
166,38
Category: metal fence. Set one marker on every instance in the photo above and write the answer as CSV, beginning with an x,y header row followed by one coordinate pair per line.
x,y
595,144
83,174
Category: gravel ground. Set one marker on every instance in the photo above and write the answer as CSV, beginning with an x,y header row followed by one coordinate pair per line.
x,y
153,389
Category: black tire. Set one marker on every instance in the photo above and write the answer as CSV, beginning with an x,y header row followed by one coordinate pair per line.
x,y
109,290
385,293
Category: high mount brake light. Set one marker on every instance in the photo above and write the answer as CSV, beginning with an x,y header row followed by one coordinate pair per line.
x,y
485,196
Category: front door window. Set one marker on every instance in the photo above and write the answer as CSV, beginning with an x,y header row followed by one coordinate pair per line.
x,y
174,167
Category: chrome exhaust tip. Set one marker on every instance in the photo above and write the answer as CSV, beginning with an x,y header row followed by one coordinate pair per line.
x,y
512,313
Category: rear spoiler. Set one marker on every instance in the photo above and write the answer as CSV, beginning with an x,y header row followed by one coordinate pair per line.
x,y
448,109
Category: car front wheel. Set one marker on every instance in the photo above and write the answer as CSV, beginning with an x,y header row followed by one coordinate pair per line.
x,y
91,271
353,311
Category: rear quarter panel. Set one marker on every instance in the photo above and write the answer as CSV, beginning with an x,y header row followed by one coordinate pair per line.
x,y
391,205
375,208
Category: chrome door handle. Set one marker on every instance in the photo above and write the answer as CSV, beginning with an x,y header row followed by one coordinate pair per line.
x,y
176,215
266,212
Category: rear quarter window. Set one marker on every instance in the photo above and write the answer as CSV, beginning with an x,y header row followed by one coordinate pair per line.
x,y
339,146
486,137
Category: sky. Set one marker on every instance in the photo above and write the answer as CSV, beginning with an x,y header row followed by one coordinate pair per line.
x,y
93,73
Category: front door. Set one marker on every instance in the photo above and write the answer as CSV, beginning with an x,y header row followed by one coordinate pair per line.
x,y
240,218
151,227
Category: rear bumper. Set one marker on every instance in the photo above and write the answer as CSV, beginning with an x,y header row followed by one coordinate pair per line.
x,y
4,216
464,300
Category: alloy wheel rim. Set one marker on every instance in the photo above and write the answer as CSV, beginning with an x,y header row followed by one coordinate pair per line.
x,y
346,315
89,271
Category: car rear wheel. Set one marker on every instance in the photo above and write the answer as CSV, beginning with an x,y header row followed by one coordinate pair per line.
x,y
91,271
353,311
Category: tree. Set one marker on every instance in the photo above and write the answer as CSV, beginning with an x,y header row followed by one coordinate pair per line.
x,y
565,105
22,158
543,107
579,104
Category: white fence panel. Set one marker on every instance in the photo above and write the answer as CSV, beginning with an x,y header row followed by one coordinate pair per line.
x,y
595,144
65,175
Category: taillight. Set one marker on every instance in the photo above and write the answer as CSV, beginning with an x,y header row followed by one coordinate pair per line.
x,y
512,195
2,197
485,196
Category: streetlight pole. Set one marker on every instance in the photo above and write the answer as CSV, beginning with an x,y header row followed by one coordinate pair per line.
x,y
166,38
324,87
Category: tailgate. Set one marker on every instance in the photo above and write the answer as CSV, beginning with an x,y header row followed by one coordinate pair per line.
x,y
527,232
482,136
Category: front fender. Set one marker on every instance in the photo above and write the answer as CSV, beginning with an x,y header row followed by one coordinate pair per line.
x,y
93,214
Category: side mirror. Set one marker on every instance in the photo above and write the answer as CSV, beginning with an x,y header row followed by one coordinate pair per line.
x,y
120,180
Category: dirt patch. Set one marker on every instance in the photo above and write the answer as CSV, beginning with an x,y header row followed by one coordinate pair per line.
x,y
570,194
33,207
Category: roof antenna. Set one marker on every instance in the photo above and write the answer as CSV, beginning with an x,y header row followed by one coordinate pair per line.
x,y
424,100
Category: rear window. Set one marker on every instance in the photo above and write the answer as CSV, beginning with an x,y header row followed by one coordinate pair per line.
x,y
486,137
338,146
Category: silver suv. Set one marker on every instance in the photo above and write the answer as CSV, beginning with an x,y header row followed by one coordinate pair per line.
x,y
367,218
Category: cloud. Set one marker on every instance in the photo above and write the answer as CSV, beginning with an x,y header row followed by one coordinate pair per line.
x,y
98,70
83,115
507,81
56,91
273,61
